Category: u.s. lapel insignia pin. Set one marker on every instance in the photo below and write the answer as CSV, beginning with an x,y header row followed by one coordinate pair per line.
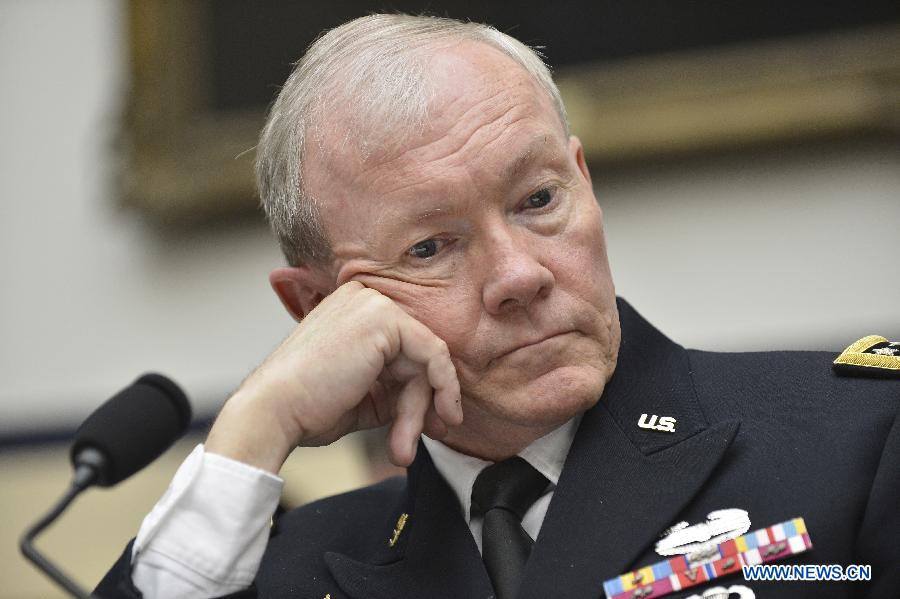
x,y
401,522
711,562
665,424
872,356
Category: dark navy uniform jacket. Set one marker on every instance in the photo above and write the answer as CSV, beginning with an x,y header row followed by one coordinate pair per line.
x,y
777,434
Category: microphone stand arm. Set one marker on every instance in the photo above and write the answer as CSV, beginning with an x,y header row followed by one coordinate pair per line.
x,y
84,477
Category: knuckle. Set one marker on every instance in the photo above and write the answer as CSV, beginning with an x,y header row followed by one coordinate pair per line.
x,y
381,343
351,287
376,300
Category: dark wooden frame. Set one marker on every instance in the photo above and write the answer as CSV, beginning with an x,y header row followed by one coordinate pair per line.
x,y
839,84
183,163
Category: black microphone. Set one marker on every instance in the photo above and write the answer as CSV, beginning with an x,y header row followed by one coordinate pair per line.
x,y
126,433
130,430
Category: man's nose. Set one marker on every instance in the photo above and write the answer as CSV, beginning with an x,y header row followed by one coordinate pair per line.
x,y
515,276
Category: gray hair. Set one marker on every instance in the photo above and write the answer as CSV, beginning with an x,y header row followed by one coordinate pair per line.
x,y
373,63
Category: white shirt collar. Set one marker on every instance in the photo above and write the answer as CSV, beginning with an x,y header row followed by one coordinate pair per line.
x,y
547,455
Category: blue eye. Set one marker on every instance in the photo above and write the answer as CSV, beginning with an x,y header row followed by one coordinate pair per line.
x,y
424,249
540,198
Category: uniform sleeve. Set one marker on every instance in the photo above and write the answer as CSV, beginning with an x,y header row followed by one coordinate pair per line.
x,y
206,535
879,537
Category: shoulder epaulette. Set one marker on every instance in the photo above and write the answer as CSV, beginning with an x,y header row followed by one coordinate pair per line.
x,y
872,356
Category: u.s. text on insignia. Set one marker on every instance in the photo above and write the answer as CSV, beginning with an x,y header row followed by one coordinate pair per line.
x,y
665,424
872,356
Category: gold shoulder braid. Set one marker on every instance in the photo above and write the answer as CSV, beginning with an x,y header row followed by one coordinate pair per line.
x,y
872,356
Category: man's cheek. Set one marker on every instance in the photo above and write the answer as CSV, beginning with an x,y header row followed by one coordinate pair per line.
x,y
450,312
571,264
590,257
422,303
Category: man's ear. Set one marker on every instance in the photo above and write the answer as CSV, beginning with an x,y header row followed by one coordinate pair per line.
x,y
576,148
300,288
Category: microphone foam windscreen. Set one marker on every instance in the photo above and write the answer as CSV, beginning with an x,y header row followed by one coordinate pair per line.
x,y
134,427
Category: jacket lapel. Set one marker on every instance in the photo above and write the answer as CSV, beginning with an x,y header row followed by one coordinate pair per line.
x,y
434,556
622,485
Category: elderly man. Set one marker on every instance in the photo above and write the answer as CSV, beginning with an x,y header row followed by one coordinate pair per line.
x,y
448,268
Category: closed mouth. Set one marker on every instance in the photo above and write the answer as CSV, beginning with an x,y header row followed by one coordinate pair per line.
x,y
534,342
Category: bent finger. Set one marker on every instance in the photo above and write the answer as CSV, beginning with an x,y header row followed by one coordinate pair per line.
x,y
423,346
434,426
409,421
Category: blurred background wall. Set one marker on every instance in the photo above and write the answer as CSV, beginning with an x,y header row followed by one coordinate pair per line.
x,y
748,241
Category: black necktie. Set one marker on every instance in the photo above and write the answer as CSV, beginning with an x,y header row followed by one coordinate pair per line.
x,y
502,493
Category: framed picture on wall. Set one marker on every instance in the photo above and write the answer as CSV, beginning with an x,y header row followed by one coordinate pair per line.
x,y
641,80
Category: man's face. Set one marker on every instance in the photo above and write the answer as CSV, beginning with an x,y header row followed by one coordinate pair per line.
x,y
484,227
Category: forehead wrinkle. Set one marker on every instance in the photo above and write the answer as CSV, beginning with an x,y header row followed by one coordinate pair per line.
x,y
537,147
486,133
519,110
438,152
419,168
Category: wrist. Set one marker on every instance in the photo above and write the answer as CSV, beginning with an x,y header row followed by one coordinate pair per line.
x,y
251,430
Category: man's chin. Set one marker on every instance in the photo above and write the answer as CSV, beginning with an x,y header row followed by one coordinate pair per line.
x,y
549,399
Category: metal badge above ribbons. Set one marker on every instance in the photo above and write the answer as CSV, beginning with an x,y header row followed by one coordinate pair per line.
x,y
720,525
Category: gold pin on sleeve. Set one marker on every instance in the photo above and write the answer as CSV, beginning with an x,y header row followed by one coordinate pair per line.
x,y
401,522
872,356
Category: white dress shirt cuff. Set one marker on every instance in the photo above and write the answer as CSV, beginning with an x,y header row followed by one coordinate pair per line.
x,y
207,534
